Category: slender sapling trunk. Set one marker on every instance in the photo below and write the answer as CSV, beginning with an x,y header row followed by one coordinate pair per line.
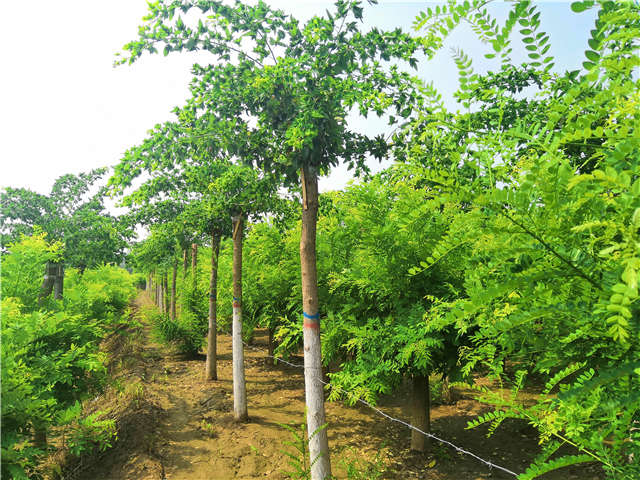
x,y
421,412
194,264
162,305
239,386
314,392
157,292
173,289
185,263
58,284
167,298
212,360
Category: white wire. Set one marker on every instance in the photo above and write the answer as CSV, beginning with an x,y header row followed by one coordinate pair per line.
x,y
393,419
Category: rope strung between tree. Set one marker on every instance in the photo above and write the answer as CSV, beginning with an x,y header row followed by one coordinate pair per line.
x,y
488,463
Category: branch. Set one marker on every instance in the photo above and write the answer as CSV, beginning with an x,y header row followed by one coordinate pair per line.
x,y
549,248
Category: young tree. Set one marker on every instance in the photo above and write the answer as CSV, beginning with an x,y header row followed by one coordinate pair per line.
x,y
242,193
208,215
299,83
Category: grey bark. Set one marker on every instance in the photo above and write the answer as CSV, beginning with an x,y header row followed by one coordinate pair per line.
x,y
167,298
58,283
185,263
173,289
50,273
194,264
314,392
239,385
211,368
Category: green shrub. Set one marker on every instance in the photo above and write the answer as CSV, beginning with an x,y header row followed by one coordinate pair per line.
x,y
90,434
99,293
23,268
50,360
183,332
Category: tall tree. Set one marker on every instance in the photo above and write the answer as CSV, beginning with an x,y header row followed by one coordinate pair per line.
x,y
73,213
299,83
242,193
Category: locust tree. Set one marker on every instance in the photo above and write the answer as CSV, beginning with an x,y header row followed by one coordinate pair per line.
x,y
552,285
73,213
298,82
242,193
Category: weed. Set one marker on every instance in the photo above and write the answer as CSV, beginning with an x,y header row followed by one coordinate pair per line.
x,y
358,468
299,459
210,430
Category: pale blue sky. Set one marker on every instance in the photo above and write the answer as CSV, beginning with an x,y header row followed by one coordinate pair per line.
x,y
65,109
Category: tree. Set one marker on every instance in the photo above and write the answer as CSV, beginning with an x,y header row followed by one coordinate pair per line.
x,y
241,193
208,215
552,284
378,328
71,213
315,75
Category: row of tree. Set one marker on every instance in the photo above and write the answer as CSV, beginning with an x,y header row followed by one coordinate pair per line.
x,y
503,240
511,192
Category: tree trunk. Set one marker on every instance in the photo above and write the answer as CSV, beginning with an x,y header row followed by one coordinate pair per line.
x,y
50,273
58,284
239,386
162,294
421,415
148,285
271,346
314,392
173,289
157,293
185,263
167,298
212,357
40,436
194,264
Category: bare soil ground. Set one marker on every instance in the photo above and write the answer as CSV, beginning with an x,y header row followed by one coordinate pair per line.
x,y
174,425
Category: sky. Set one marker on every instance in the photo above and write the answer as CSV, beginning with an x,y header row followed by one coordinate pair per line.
x,y
64,107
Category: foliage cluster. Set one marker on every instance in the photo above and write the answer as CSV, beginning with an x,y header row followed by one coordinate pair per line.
x,y
504,239
73,213
50,354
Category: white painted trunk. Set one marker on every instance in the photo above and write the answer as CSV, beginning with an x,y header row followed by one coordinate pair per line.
x,y
314,395
239,385
211,367
314,389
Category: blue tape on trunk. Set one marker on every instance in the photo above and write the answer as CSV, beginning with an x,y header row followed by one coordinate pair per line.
x,y
311,317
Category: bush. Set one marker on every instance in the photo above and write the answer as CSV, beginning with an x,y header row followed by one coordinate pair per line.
x,y
49,361
184,332
99,293
23,268
50,358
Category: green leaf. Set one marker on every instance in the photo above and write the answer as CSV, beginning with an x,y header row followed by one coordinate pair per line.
x,y
591,55
579,7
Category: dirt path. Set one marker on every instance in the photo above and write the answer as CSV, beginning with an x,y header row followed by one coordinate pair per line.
x,y
183,427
